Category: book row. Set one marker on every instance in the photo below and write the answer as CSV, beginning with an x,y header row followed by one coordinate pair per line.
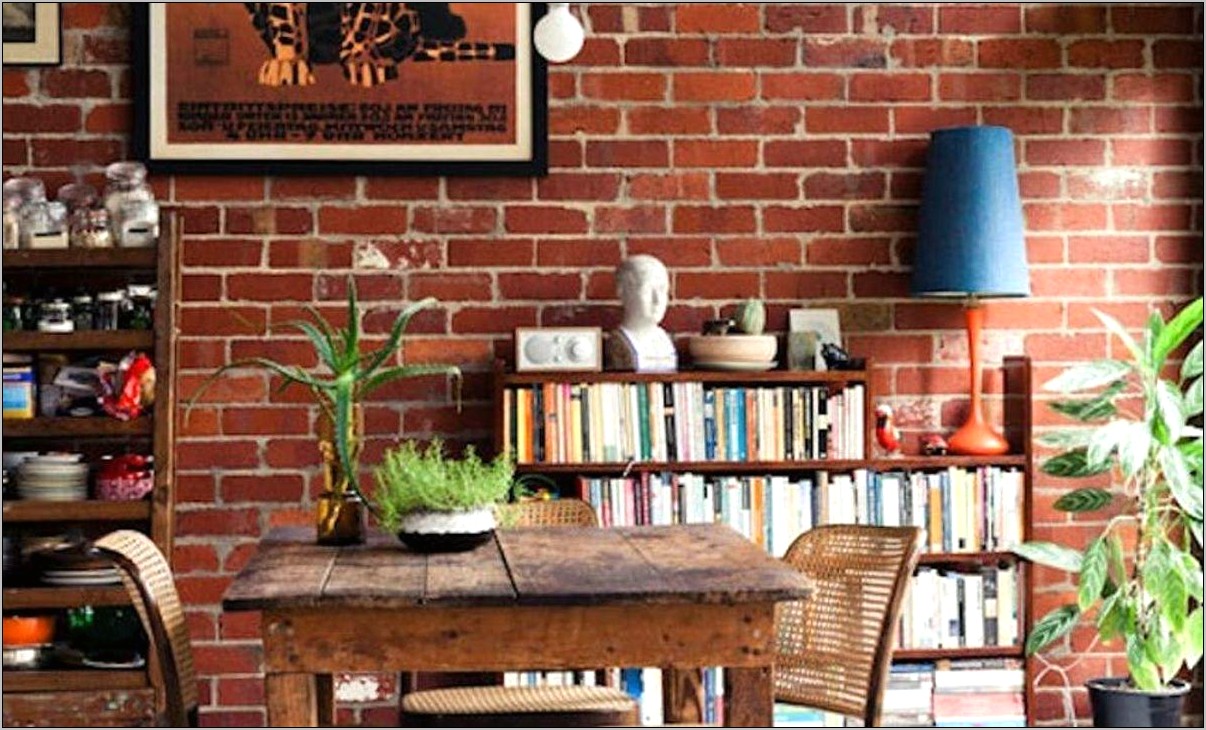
x,y
961,510
954,610
567,423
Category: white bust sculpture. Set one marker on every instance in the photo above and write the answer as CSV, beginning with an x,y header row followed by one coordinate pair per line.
x,y
640,344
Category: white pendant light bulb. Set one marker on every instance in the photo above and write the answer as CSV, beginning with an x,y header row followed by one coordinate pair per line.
x,y
559,35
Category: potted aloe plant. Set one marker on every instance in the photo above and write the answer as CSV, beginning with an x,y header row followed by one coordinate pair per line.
x,y
438,504
348,374
1147,435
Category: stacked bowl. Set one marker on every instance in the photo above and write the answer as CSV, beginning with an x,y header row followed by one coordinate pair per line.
x,y
53,478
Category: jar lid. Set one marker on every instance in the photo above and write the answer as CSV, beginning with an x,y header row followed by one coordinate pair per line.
x,y
77,195
82,298
110,296
126,172
139,290
25,188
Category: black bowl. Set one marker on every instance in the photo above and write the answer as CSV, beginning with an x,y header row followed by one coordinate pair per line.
x,y
444,542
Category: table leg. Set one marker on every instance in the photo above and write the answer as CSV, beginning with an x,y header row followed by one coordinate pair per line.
x,y
682,696
324,699
749,697
292,699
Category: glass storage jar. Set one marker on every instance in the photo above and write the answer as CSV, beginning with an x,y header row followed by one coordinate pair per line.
x,y
44,224
82,312
56,317
90,229
126,183
107,315
12,221
139,224
138,308
14,313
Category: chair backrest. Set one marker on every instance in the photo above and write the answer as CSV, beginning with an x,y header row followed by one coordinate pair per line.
x,y
148,579
548,512
834,649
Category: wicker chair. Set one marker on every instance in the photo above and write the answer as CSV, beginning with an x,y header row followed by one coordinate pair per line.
x,y
835,649
525,706
148,579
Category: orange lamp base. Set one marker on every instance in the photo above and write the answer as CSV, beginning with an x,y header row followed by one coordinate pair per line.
x,y
976,438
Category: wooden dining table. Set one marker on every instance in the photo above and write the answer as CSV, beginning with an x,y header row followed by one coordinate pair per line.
x,y
552,598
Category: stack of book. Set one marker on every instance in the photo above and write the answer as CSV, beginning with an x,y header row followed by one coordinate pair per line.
x,y
909,696
567,423
953,610
979,693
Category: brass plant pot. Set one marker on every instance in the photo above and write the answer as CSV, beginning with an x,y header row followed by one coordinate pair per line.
x,y
340,518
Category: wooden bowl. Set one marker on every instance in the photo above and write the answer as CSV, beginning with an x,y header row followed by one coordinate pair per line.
x,y
733,349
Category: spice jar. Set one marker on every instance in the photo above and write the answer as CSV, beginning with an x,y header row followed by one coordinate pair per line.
x,y
138,308
44,224
82,312
139,224
56,317
107,315
14,313
126,184
90,229
12,221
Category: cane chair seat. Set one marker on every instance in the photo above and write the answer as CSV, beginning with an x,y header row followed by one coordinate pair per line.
x,y
834,650
525,706
147,577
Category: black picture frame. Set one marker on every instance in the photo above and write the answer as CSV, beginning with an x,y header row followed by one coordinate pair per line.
x,y
535,166
46,47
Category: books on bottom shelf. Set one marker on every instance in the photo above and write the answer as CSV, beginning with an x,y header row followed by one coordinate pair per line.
x,y
954,610
956,693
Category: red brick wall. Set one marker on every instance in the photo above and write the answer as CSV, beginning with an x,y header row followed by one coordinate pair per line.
x,y
770,151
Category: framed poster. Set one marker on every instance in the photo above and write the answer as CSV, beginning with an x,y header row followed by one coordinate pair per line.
x,y
31,34
340,88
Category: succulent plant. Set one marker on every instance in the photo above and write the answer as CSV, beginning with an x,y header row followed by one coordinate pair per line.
x,y
751,316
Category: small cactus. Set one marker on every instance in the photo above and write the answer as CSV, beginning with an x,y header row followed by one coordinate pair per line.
x,y
751,316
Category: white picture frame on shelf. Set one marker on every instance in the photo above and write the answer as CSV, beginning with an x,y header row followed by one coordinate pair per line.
x,y
808,331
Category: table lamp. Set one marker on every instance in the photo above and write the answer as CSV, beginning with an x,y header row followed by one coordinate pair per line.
x,y
970,246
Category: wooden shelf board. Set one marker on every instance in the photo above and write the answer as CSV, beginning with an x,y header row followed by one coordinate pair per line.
x,y
98,510
739,467
70,679
796,377
64,596
101,258
980,652
67,427
976,557
85,340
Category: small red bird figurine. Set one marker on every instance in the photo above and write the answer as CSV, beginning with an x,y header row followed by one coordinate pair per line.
x,y
886,432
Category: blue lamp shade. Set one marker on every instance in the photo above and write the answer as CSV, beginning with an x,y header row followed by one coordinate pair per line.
x,y
970,241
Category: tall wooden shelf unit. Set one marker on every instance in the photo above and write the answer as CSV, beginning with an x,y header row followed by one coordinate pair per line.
x,y
1018,425
58,694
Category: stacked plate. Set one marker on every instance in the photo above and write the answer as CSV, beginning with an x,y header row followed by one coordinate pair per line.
x,y
53,478
74,566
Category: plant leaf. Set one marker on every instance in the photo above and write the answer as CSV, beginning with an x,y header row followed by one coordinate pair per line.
x,y
1105,440
1092,574
1050,554
1111,619
1191,366
1088,376
1191,638
1155,325
1193,398
1171,409
1195,526
1134,447
1191,573
396,331
1186,491
1117,561
320,341
1066,438
1143,671
1072,464
1120,332
398,372
351,338
1084,500
1091,409
1176,331
1052,627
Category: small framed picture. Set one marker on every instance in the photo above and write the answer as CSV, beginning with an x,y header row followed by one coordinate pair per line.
x,y
808,331
31,34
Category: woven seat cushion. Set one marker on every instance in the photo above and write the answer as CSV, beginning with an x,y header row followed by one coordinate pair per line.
x,y
515,700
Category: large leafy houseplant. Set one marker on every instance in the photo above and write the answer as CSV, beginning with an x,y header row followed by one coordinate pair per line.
x,y
1144,436
348,373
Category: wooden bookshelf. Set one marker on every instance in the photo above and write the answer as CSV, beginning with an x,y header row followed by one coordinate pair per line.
x,y
29,695
1018,420
79,511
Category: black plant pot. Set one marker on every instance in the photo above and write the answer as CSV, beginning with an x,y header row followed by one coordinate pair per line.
x,y
443,542
446,532
1116,704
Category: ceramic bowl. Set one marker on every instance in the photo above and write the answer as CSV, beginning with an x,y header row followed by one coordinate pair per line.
x,y
443,532
726,349
28,630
